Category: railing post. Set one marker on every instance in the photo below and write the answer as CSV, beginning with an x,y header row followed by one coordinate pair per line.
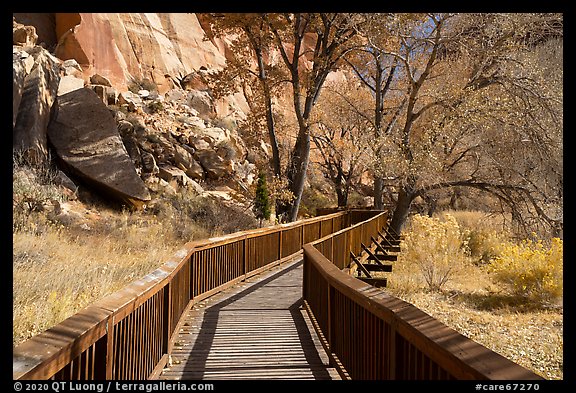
x,y
330,311
332,248
280,244
348,246
110,348
392,371
167,319
193,275
305,264
245,257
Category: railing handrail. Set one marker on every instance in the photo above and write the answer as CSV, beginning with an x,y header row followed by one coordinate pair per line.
x,y
45,354
248,233
462,357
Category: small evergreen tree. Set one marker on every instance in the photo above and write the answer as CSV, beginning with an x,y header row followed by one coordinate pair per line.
x,y
262,203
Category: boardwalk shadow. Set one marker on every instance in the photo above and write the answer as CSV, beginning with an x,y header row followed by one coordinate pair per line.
x,y
499,302
311,354
207,331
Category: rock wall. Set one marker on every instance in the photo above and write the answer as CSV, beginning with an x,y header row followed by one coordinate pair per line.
x,y
70,96
123,47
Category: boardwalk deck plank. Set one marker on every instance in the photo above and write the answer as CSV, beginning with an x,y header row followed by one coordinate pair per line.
x,y
255,330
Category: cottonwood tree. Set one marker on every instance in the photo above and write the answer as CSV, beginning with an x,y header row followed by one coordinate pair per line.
x,y
513,97
311,46
377,70
341,134
250,68
479,113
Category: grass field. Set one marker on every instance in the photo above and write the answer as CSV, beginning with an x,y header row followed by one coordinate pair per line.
x,y
67,254
474,302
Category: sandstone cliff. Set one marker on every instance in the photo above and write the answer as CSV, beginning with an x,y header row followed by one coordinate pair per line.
x,y
124,47
97,91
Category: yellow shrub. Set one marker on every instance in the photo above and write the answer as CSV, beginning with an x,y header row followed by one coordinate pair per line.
x,y
531,269
483,245
436,247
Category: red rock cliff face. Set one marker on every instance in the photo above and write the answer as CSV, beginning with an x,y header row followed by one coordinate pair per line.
x,y
127,46
137,45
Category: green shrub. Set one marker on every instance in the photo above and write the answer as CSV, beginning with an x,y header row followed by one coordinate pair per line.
x,y
262,202
155,106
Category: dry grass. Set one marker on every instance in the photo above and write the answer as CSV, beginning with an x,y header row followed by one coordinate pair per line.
x,y
58,273
66,260
478,306
532,338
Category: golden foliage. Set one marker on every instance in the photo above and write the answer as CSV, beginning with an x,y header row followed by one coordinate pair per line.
x,y
435,246
531,269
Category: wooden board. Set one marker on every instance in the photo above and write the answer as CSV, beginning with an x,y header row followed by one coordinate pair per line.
x,y
255,330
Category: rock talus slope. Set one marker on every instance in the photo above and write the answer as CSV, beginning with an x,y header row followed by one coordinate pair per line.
x,y
128,103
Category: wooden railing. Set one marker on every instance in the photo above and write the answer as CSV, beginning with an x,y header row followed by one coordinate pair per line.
x,y
128,334
369,334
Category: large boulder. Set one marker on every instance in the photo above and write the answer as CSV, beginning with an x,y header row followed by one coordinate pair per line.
x,y
202,102
217,134
71,67
86,139
38,95
43,23
176,177
175,95
184,159
23,35
18,77
245,171
98,79
215,166
149,163
194,81
69,83
107,94
131,100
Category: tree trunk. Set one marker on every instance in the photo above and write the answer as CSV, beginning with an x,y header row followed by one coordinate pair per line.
x,y
272,134
297,171
342,194
405,198
454,199
378,188
296,176
269,114
432,204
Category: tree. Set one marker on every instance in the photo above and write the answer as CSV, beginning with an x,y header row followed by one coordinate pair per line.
x,y
376,70
248,65
261,202
341,135
311,46
479,114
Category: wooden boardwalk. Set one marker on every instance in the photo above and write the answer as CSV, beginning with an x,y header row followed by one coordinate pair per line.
x,y
255,330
